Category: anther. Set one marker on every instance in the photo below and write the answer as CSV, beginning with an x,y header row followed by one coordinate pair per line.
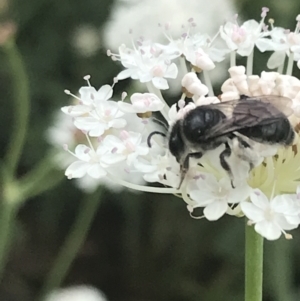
x,y
288,236
123,95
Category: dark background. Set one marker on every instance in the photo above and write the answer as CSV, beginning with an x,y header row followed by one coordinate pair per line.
x,y
140,246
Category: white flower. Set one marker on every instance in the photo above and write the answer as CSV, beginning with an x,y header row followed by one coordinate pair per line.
x,y
282,42
89,99
76,293
198,50
142,103
148,64
128,147
171,17
242,39
271,218
86,40
216,195
105,116
89,163
163,169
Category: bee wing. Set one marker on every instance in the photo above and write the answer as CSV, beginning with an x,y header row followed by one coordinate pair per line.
x,y
281,103
249,112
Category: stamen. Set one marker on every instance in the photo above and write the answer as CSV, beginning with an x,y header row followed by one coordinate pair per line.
x,y
73,95
208,83
89,141
114,150
196,217
123,95
87,78
264,12
233,58
143,188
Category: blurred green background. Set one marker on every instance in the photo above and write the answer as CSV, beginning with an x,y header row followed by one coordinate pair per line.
x,y
137,246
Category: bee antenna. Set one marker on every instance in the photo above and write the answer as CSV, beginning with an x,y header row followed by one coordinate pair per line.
x,y
152,134
160,122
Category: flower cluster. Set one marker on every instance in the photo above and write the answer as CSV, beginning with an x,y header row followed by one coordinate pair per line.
x,y
126,140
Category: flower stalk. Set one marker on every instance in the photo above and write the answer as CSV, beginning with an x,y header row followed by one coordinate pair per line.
x,y
253,265
73,243
20,88
7,216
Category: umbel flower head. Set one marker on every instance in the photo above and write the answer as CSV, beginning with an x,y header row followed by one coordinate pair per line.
x,y
125,140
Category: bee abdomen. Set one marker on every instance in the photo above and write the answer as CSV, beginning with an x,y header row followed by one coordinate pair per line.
x,y
279,131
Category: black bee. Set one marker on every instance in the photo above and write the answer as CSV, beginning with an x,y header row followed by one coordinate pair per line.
x,y
262,119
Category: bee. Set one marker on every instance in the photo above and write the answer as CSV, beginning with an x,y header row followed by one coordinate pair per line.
x,y
261,119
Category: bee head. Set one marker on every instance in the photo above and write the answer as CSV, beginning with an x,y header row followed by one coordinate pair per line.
x,y
196,123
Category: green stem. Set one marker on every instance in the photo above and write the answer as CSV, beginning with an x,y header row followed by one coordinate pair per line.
x,y
72,244
232,58
20,88
41,178
208,83
281,269
289,69
7,216
253,265
249,68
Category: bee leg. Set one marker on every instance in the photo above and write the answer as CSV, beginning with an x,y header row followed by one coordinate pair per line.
x,y
185,166
244,145
224,154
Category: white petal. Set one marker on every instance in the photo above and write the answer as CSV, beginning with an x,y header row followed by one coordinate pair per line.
x,y
96,171
144,167
75,111
276,59
239,194
203,198
215,210
86,123
268,230
127,107
86,94
160,83
172,71
98,131
82,152
125,74
282,203
259,199
117,123
104,93
252,212
110,158
287,222
77,169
